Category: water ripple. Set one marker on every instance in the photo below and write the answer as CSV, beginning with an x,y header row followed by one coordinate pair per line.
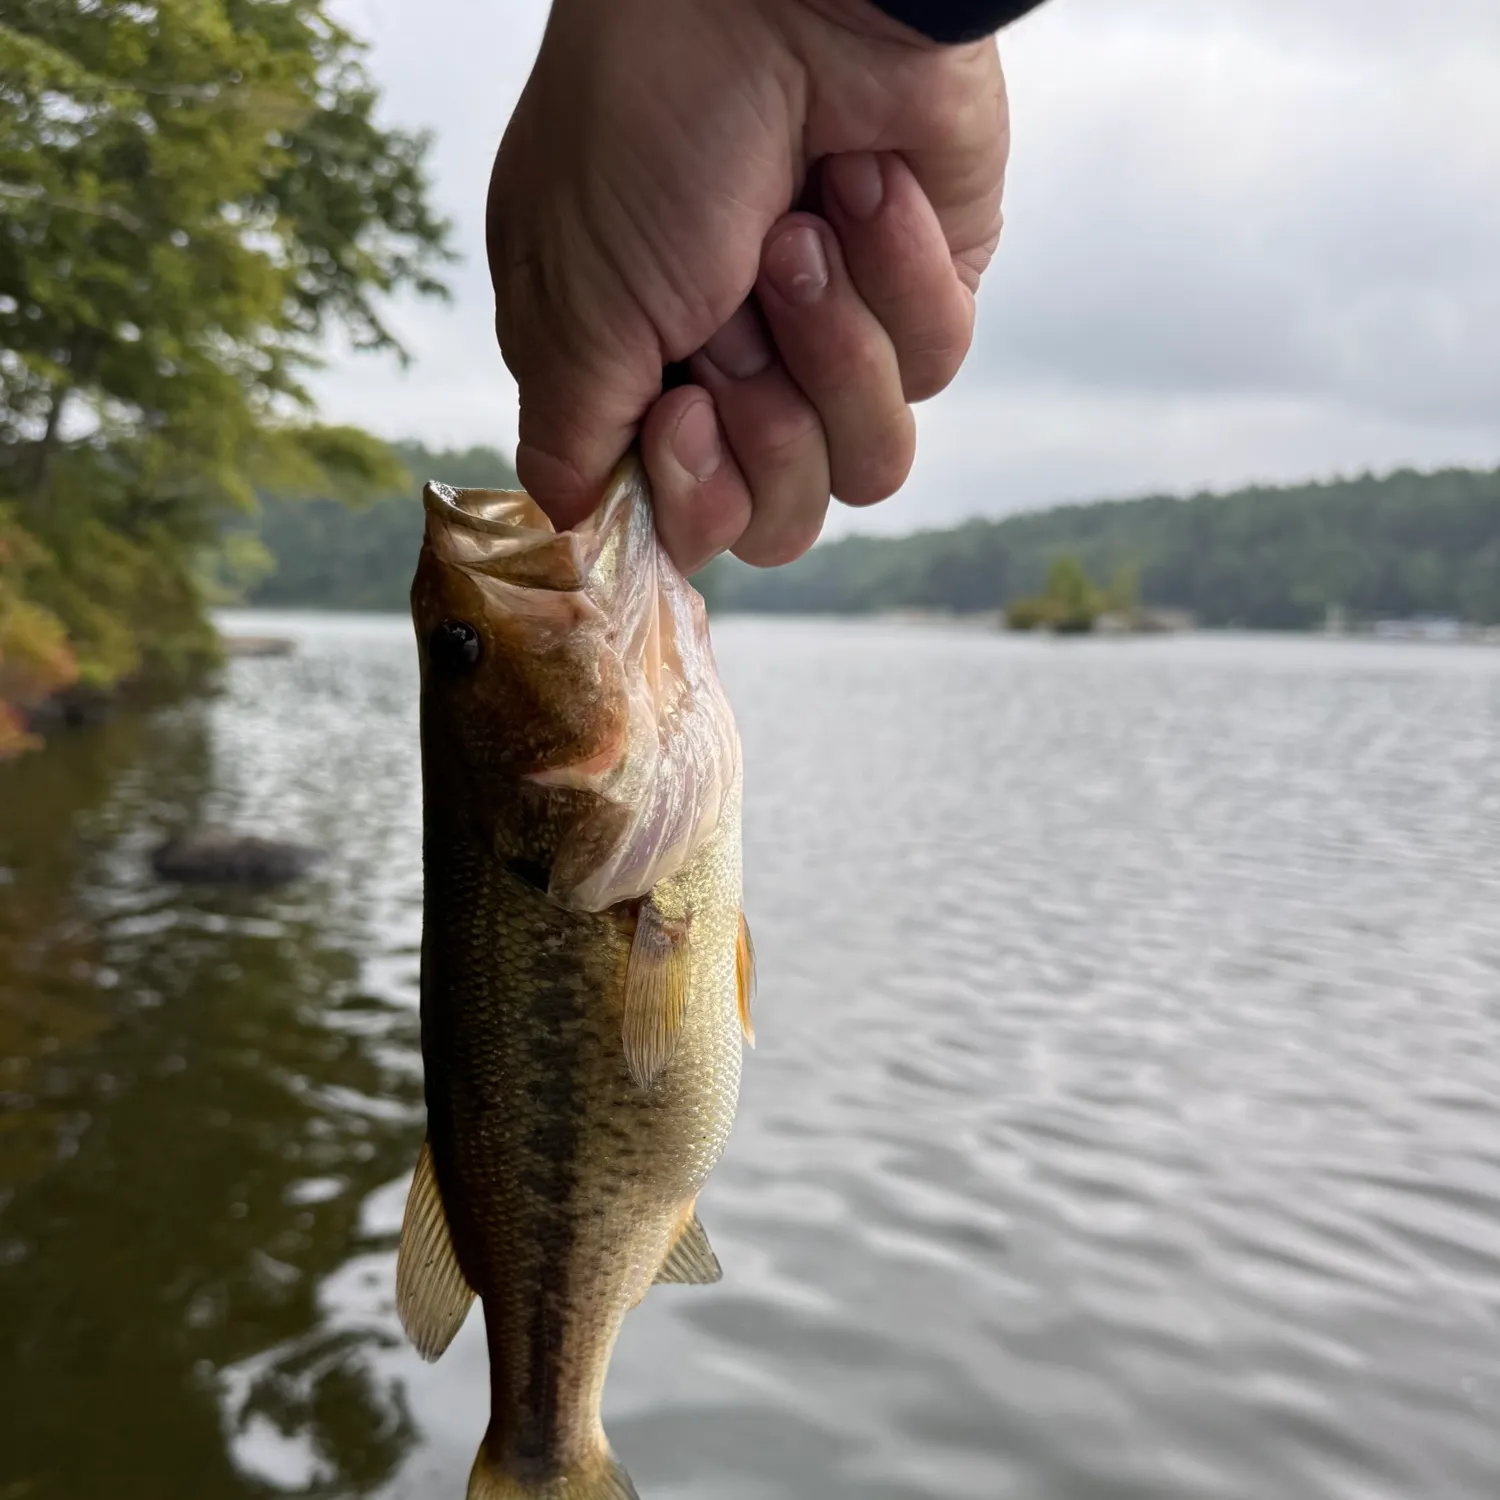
x,y
1124,1121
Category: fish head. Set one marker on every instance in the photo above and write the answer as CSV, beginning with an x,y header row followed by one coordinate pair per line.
x,y
514,680
572,714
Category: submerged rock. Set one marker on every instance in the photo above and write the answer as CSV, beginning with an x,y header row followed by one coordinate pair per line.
x,y
77,707
217,857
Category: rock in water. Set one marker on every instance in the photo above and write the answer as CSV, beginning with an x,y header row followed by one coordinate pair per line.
x,y
216,857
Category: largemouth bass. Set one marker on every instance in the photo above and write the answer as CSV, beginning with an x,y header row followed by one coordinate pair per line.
x,y
586,966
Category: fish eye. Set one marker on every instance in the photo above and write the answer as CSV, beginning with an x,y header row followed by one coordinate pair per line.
x,y
454,646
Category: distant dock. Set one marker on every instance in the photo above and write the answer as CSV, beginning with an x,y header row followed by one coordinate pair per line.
x,y
1434,629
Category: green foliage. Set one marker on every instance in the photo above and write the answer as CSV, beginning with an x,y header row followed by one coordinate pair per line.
x,y
34,655
330,556
1074,599
195,192
1029,614
1070,603
234,568
342,463
1405,544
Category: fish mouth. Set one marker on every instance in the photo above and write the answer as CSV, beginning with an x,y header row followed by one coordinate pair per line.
x,y
498,512
505,535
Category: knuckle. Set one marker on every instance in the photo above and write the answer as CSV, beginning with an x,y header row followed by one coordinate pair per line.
x,y
874,472
931,352
868,490
775,548
972,261
926,372
787,516
725,523
786,439
853,352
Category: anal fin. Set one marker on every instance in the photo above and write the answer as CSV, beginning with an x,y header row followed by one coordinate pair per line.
x,y
432,1297
656,992
691,1260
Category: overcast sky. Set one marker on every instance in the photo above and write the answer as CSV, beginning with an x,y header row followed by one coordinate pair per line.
x,y
1245,240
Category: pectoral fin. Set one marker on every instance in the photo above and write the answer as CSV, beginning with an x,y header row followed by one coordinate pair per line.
x,y
744,977
432,1296
656,989
691,1260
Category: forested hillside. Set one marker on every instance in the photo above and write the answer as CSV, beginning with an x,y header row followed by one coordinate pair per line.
x,y
329,555
1271,559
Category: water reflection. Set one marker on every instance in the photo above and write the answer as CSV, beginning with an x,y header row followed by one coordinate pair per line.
x,y
198,1100
1122,1122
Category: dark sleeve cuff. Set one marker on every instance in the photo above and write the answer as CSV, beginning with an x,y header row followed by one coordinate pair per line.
x,y
952,21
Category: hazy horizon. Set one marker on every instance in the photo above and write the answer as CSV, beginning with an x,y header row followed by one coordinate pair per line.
x,y
851,520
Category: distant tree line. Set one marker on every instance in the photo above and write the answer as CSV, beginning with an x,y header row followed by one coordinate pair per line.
x,y
325,554
1260,559
1265,559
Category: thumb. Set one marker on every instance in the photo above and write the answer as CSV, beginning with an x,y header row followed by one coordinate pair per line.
x,y
586,359
583,398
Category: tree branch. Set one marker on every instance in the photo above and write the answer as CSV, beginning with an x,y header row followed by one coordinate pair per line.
x,y
33,193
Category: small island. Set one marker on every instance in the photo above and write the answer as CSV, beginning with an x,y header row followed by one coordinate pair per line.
x,y
1073,604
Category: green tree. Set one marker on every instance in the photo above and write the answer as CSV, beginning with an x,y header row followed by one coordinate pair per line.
x,y
1070,603
195,192
1072,596
34,656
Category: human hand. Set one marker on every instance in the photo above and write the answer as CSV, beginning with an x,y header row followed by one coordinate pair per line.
x,y
641,197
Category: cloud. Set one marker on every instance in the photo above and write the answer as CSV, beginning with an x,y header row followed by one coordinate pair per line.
x,y
1230,211
1246,239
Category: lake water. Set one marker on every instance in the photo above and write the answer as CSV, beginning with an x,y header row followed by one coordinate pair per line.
x,y
1125,1120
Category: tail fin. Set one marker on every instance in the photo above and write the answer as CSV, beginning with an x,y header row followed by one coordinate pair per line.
x,y
598,1478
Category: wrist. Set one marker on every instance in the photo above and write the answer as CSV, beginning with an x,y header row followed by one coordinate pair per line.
x,y
867,20
929,23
